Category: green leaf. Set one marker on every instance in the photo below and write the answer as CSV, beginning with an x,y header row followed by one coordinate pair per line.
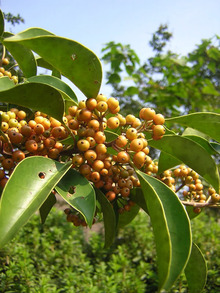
x,y
108,218
126,217
40,97
78,193
27,188
2,23
110,136
65,90
166,161
171,229
191,154
44,64
196,270
46,207
71,59
206,122
138,197
6,83
28,63
203,142
215,146
191,213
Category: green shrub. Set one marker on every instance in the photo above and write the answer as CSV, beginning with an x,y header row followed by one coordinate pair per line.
x,y
57,258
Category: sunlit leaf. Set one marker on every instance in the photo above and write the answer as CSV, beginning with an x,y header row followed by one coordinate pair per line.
x,y
206,122
70,58
76,190
28,63
2,23
65,90
27,188
40,97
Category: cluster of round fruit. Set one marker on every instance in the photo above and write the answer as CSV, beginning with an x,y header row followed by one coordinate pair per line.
x,y
20,138
185,180
4,72
113,173
75,217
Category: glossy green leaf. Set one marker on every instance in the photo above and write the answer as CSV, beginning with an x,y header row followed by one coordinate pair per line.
x,y
6,83
65,90
26,190
196,270
108,218
46,207
2,23
215,146
76,190
203,142
166,161
208,123
40,97
23,56
71,59
171,229
138,197
191,154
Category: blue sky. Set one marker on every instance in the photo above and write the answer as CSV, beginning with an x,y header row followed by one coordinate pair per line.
x,y
96,22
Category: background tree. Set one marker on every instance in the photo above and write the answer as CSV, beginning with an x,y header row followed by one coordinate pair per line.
x,y
171,83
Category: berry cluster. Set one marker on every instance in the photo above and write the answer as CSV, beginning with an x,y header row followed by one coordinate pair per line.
x,y
3,72
20,138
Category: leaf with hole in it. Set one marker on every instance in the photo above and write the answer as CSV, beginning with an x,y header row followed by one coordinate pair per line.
x,y
206,122
171,229
196,270
39,97
46,207
27,188
23,56
65,90
76,190
190,153
108,218
70,58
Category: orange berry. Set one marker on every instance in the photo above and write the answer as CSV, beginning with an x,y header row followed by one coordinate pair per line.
x,y
110,195
18,156
95,176
90,155
84,115
102,106
158,119
31,146
131,133
121,141
94,124
113,122
91,104
85,169
136,145
83,145
123,157
101,97
7,164
39,129
139,159
100,137
77,160
72,110
148,114
98,165
73,124
15,137
101,149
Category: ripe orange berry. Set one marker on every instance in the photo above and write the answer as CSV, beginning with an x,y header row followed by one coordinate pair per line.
x,y
123,157
147,114
125,191
94,124
85,169
72,110
77,160
7,164
131,133
90,155
121,141
136,145
139,159
158,131
15,137
102,106
91,104
101,97
32,123
83,145
53,153
95,176
18,156
3,182
110,195
130,119
73,124
98,165
39,129
158,119
84,115
101,149
100,137
26,130
113,122
31,146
